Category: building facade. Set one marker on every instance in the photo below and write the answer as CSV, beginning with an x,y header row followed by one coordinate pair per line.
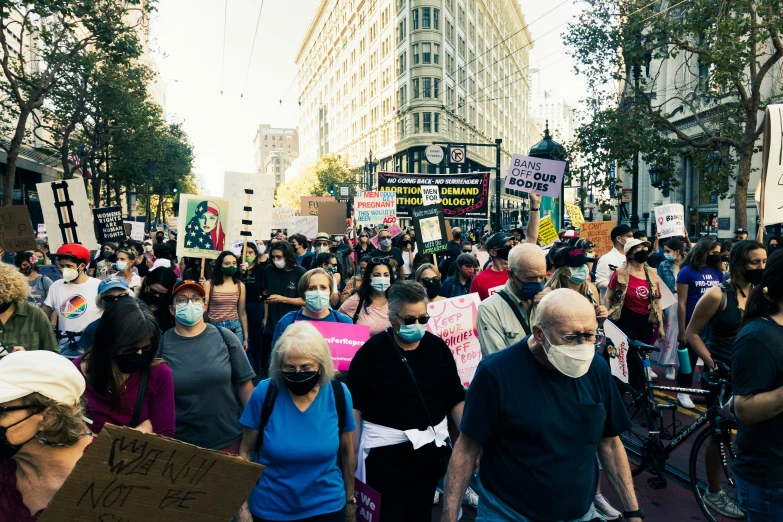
x,y
383,79
268,140
276,164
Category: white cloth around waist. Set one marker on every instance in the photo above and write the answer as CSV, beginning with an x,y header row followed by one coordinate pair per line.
x,y
377,436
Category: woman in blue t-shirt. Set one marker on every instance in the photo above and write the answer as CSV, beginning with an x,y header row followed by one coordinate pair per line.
x,y
701,269
301,439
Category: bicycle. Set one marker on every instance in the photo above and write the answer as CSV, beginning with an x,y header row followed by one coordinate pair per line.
x,y
73,339
645,438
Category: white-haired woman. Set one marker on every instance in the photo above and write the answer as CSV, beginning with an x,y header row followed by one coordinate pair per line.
x,y
295,423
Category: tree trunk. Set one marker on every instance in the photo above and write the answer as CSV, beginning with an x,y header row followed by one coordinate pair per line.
x,y
13,155
741,188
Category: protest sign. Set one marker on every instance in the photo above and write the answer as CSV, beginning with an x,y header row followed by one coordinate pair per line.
x,y
16,230
670,220
305,225
430,195
483,257
283,218
173,223
667,297
395,230
309,205
770,193
66,213
369,502
344,340
575,213
547,232
258,219
454,321
375,208
598,232
495,289
202,226
542,175
618,360
129,475
108,224
331,217
42,230
428,222
134,229
461,195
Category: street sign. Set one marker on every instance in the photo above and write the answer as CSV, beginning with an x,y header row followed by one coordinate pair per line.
x,y
627,195
457,154
345,190
434,154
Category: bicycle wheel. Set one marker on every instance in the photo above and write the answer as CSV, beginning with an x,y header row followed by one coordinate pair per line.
x,y
636,438
724,507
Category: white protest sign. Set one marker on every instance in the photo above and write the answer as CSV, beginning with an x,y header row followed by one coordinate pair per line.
x,y
670,219
283,217
618,360
305,225
235,185
375,208
430,195
454,321
67,213
137,230
667,297
771,193
495,289
542,175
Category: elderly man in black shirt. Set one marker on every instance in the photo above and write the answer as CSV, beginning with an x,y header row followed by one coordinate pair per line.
x,y
540,410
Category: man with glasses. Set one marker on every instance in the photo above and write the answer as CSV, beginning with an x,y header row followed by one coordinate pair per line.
x,y
540,410
386,251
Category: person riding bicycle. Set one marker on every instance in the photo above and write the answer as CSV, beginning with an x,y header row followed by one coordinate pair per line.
x,y
70,304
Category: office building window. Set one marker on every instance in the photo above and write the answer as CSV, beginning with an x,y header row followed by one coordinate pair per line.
x,y
402,95
415,53
436,18
436,122
401,64
426,52
427,119
415,19
402,31
425,18
436,91
415,83
436,54
427,84
416,123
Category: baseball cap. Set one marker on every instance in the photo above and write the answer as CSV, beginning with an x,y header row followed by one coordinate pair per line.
x,y
40,371
741,231
634,242
184,285
111,283
467,260
570,256
620,230
497,240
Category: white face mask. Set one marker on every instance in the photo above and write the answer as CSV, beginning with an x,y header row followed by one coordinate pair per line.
x,y
280,264
70,274
322,249
148,248
261,249
570,360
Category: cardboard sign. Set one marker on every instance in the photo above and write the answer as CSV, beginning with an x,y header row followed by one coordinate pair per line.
x,y
173,223
203,223
331,217
305,225
108,224
16,229
127,475
542,175
599,232
461,195
618,360
770,193
575,213
66,213
369,502
375,208
235,185
454,321
670,219
134,229
547,232
344,340
430,195
309,205
42,231
428,222
283,218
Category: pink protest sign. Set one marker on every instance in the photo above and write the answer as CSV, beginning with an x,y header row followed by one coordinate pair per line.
x,y
374,241
369,502
344,340
395,230
454,321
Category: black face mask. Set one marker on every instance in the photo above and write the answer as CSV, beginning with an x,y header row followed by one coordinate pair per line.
x,y
131,362
502,253
5,306
8,450
300,383
713,259
457,236
640,256
433,289
754,276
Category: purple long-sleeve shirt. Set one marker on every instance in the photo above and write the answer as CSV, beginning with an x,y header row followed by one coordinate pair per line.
x,y
158,402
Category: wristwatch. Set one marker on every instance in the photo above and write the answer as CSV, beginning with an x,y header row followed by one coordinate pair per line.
x,y
352,500
633,514
534,209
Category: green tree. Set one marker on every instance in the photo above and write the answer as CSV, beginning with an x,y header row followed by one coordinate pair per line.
x,y
331,169
727,55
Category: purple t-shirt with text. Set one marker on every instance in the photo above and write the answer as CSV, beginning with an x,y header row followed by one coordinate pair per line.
x,y
698,281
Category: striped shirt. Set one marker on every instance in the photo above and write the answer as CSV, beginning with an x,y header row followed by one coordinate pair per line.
x,y
223,306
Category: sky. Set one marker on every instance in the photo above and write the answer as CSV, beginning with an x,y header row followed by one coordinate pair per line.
x,y
222,93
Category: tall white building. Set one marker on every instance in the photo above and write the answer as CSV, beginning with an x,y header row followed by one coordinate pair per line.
x,y
268,140
393,76
547,106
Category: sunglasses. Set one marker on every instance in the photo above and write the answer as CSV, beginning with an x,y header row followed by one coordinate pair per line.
x,y
467,251
135,349
425,280
380,260
6,409
112,298
411,320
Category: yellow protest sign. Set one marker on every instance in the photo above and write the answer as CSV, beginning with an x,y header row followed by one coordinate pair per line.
x,y
575,213
546,231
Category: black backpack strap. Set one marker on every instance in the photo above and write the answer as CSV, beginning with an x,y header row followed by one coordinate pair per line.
x,y
339,402
223,334
145,375
266,412
514,308
358,310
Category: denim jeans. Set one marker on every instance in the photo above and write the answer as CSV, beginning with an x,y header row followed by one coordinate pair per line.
x,y
759,503
492,509
235,326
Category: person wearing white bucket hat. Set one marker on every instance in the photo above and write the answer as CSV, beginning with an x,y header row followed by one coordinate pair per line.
x,y
42,430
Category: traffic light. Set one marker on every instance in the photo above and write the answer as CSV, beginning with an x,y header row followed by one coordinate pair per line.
x,y
174,187
332,189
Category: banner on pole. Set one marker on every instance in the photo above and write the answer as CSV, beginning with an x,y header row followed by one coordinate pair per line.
x,y
599,233
375,208
454,321
202,226
108,224
618,360
431,229
542,175
575,213
67,213
16,229
547,232
670,220
461,195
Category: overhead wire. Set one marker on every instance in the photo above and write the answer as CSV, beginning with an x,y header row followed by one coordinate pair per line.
x,y
223,59
252,47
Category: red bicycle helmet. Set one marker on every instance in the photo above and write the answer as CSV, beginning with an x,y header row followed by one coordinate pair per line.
x,y
76,251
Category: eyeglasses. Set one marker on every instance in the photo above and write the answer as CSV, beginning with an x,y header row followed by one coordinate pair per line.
x,y
380,260
113,298
435,279
305,368
579,338
381,238
411,320
6,409
182,300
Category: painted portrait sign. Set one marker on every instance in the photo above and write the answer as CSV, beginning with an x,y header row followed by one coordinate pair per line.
x,y
202,226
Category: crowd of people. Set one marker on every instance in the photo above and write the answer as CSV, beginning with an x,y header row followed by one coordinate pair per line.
x,y
224,355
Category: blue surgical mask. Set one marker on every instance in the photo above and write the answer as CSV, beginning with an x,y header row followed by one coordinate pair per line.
x,y
385,242
669,257
380,284
317,300
189,314
579,274
121,265
410,333
529,290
